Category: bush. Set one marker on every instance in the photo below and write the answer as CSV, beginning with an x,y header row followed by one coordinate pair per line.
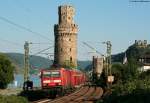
x,y
130,85
6,71
138,96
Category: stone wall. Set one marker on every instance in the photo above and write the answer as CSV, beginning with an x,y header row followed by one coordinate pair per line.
x,y
65,33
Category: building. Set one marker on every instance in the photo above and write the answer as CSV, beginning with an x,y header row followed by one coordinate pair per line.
x,y
141,44
145,61
97,66
65,33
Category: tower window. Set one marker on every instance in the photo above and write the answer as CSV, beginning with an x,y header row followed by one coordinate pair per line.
x,y
70,49
69,39
70,59
63,17
61,49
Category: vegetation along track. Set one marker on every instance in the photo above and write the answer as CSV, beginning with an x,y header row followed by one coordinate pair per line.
x,y
84,95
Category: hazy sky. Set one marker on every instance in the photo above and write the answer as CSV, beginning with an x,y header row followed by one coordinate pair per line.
x,y
118,21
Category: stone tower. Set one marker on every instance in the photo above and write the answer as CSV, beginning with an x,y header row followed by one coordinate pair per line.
x,y
97,66
65,33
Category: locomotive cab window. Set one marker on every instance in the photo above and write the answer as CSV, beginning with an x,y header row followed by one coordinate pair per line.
x,y
51,74
46,74
55,74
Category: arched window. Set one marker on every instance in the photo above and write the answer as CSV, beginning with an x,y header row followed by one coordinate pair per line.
x,y
70,59
61,49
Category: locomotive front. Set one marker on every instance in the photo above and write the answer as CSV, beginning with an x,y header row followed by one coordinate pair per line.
x,y
50,79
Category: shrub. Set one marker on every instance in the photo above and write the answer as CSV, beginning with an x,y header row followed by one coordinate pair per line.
x,y
6,71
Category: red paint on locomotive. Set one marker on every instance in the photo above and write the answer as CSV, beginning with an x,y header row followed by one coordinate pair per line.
x,y
62,78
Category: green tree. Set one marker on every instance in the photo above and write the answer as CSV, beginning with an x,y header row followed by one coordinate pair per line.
x,y
6,71
118,72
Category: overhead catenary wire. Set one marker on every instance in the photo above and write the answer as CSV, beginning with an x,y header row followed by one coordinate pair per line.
x,y
24,28
11,42
21,5
138,1
83,51
28,9
43,50
41,43
92,48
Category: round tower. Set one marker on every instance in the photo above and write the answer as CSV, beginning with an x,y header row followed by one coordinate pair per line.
x,y
65,33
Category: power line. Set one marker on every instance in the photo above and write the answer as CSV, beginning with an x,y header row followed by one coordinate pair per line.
x,y
41,43
43,50
93,48
11,42
29,10
24,28
21,5
140,1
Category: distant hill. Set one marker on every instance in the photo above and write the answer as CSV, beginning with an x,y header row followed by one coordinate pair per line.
x,y
133,52
84,64
36,62
118,57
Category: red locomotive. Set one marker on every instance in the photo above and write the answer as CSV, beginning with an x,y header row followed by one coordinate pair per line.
x,y
57,81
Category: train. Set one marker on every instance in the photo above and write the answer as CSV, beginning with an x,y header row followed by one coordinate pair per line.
x,y
59,80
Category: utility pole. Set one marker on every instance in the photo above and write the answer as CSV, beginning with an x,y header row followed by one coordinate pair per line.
x,y
26,61
108,43
108,57
27,83
110,78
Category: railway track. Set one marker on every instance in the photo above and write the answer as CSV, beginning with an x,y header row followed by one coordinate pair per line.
x,y
84,95
42,101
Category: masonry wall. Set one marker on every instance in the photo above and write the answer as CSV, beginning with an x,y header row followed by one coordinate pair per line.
x,y
65,33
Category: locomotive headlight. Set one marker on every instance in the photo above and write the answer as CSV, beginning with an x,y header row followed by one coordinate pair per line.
x,y
45,84
57,81
46,81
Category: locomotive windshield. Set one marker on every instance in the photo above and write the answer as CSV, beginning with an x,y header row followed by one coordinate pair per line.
x,y
51,74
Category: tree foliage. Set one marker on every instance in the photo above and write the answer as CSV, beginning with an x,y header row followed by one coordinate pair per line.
x,y
6,71
130,85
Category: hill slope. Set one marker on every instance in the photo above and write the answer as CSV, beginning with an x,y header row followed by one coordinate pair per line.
x,y
37,62
133,52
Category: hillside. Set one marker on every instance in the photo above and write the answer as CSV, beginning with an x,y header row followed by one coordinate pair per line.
x,y
36,62
118,57
133,52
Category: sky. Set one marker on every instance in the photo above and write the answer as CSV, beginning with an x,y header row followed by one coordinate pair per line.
x,y
118,21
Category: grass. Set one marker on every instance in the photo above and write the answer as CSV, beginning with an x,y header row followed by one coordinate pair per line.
x,y
12,99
